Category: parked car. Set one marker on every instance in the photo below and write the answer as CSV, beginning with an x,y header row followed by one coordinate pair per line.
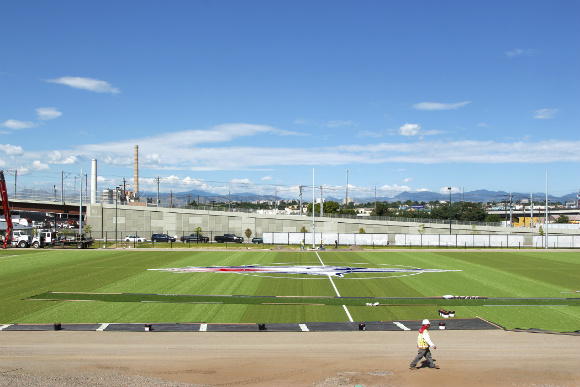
x,y
194,238
228,238
134,238
257,240
162,238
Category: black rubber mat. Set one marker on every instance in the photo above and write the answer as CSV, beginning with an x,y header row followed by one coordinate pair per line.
x,y
403,325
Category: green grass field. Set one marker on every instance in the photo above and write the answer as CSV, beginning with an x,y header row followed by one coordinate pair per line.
x,y
26,274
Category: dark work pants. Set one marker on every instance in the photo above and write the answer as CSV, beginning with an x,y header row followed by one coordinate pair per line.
x,y
427,354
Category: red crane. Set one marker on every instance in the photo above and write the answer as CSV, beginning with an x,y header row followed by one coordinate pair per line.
x,y
6,209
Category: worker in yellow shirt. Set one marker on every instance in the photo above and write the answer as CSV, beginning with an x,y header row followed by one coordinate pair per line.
x,y
423,344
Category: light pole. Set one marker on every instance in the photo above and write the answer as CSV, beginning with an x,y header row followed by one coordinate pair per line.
x,y
449,188
346,198
116,201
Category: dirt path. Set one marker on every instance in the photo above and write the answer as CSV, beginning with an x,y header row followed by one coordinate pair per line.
x,y
466,358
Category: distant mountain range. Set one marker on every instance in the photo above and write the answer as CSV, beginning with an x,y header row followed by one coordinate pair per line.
x,y
422,196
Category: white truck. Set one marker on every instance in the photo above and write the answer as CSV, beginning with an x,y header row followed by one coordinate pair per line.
x,y
21,239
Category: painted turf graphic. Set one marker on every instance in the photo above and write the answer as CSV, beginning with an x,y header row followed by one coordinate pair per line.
x,y
330,271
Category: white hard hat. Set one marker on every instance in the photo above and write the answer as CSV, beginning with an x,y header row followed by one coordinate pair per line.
x,y
426,322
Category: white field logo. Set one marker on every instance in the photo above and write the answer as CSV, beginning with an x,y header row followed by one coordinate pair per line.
x,y
327,271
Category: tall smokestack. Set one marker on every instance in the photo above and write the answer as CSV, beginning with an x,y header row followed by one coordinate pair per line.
x,y
93,181
136,173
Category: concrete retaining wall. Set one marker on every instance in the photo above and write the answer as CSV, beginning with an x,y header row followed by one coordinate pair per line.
x,y
175,221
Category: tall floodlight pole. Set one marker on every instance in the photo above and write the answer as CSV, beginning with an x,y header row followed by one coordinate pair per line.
x,y
531,210
116,200
449,188
81,205
547,210
300,187
313,222
346,198
321,205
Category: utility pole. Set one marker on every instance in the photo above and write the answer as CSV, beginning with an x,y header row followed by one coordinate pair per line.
x,y
300,188
313,219
63,176
449,188
511,212
531,211
346,199
8,171
81,206
547,202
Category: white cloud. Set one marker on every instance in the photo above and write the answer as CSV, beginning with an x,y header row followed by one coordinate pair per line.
x,y
338,123
440,106
545,114
241,181
266,178
394,190
190,181
39,166
197,151
89,84
57,157
519,52
328,124
445,190
408,179
366,133
409,129
11,150
47,113
16,125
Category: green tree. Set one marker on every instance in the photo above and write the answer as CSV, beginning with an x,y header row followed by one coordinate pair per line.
x,y
382,209
563,219
248,233
460,211
421,229
541,231
329,207
361,231
198,231
87,229
495,218
303,229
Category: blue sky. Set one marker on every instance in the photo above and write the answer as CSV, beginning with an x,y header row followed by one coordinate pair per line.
x,y
252,95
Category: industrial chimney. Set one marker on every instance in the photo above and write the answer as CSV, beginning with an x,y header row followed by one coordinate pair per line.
x,y
136,173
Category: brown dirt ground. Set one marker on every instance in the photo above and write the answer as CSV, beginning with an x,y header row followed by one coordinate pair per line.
x,y
319,359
